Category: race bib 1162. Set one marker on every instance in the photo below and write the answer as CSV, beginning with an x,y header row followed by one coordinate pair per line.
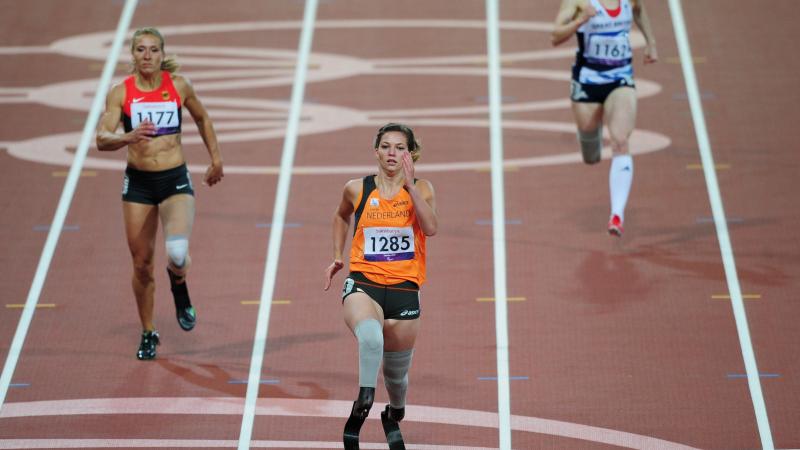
x,y
608,49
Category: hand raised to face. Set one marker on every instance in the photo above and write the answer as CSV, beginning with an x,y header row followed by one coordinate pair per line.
x,y
408,167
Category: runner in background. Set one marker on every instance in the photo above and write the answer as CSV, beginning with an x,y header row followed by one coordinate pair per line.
x,y
157,186
602,84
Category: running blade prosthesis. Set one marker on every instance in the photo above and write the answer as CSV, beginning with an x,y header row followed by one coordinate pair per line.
x,y
358,415
187,317
391,428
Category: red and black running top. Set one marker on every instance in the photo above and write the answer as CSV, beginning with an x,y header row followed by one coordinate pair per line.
x,y
161,106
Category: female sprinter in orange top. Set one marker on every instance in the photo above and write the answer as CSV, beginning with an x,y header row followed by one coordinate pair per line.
x,y
157,184
394,213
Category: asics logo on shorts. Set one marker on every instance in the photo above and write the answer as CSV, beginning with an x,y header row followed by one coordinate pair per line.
x,y
409,313
125,183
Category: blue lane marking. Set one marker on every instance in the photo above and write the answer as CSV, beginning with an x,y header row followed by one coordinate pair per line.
x,y
761,375
495,378
711,220
64,228
19,385
285,225
273,381
489,222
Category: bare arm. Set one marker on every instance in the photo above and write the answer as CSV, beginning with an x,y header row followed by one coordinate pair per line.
x,y
425,207
341,224
643,22
570,17
107,138
205,127
422,196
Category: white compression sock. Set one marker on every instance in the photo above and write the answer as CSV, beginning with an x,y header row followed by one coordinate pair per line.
x,y
370,351
395,376
620,177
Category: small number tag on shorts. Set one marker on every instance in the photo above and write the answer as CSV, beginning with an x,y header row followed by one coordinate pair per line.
x,y
348,286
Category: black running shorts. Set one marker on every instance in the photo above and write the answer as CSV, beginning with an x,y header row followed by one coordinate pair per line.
x,y
398,301
596,93
152,188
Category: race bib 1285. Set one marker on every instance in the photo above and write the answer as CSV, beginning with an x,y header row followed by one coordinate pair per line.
x,y
388,243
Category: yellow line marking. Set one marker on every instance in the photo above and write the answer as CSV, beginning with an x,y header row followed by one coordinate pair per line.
x,y
677,60
491,299
274,302
744,296
85,173
700,166
505,169
38,305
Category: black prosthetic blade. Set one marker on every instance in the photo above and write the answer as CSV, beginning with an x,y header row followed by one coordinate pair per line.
x,y
351,431
392,429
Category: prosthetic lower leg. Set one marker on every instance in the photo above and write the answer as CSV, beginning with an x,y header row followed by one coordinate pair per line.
x,y
359,413
591,144
187,317
390,418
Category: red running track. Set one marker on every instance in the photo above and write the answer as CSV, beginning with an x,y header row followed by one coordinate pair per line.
x,y
613,343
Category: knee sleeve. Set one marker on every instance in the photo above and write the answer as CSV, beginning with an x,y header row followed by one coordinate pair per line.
x,y
370,351
177,249
591,144
395,376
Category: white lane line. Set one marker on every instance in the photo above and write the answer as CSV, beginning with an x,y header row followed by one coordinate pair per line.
x,y
64,202
28,444
278,219
722,227
498,229
319,408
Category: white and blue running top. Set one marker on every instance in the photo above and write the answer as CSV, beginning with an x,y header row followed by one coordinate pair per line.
x,y
604,48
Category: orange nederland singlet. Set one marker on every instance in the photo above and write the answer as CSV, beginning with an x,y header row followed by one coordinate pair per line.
x,y
161,106
388,245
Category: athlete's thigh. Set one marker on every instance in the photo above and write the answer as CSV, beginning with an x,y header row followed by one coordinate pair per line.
x,y
177,215
620,109
141,226
588,116
399,335
359,306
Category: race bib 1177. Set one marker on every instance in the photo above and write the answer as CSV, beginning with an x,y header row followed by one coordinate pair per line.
x,y
164,115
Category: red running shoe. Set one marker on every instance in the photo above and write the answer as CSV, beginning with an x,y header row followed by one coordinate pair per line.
x,y
615,226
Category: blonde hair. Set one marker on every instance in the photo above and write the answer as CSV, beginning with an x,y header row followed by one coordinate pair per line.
x,y
414,145
169,63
